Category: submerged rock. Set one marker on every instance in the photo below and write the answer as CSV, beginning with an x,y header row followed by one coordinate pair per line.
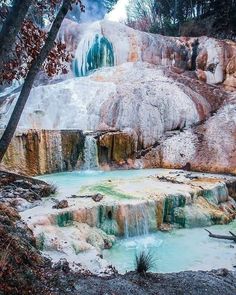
x,y
137,206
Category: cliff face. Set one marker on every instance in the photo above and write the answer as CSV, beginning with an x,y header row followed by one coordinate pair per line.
x,y
171,99
207,147
37,152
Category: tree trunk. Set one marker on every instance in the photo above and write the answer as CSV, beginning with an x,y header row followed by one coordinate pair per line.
x,y
222,237
11,27
25,91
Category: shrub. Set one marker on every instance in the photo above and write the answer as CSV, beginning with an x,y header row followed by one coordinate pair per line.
x,y
40,241
144,262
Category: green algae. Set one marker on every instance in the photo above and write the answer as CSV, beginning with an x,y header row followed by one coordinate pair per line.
x,y
170,203
76,249
109,190
209,196
40,241
179,216
215,195
64,219
107,221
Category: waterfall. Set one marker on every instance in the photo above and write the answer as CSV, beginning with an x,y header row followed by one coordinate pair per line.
x,y
93,52
54,151
136,220
90,153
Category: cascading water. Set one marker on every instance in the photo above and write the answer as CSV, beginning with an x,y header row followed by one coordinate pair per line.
x,y
136,220
90,153
55,150
128,220
93,53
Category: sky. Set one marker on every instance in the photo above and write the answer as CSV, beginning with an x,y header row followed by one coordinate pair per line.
x,y
119,11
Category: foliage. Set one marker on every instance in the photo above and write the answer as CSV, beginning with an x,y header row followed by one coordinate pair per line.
x,y
30,41
142,14
144,262
12,25
169,17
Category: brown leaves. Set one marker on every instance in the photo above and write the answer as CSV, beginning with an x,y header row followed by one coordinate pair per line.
x,y
57,59
30,41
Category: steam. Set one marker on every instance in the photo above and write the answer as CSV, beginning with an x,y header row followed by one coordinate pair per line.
x,y
94,10
119,12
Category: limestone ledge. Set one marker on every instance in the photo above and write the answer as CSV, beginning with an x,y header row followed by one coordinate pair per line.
x,y
136,206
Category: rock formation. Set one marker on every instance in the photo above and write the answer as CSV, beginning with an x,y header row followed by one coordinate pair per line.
x,y
35,152
213,59
167,98
207,147
136,206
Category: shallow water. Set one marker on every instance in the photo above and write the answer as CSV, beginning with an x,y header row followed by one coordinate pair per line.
x,y
69,183
179,250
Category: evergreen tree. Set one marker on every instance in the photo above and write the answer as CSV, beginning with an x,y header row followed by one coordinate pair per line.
x,y
172,15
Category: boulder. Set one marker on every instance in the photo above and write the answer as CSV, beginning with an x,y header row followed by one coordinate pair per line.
x,y
61,205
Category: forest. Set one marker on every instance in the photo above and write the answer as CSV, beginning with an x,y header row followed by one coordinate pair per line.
x,y
184,17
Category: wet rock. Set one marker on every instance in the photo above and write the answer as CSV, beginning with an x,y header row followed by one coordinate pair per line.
x,y
169,179
165,227
97,197
187,167
116,147
223,272
61,205
32,159
107,244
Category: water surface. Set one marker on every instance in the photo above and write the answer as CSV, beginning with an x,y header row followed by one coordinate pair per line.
x,y
179,250
69,183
